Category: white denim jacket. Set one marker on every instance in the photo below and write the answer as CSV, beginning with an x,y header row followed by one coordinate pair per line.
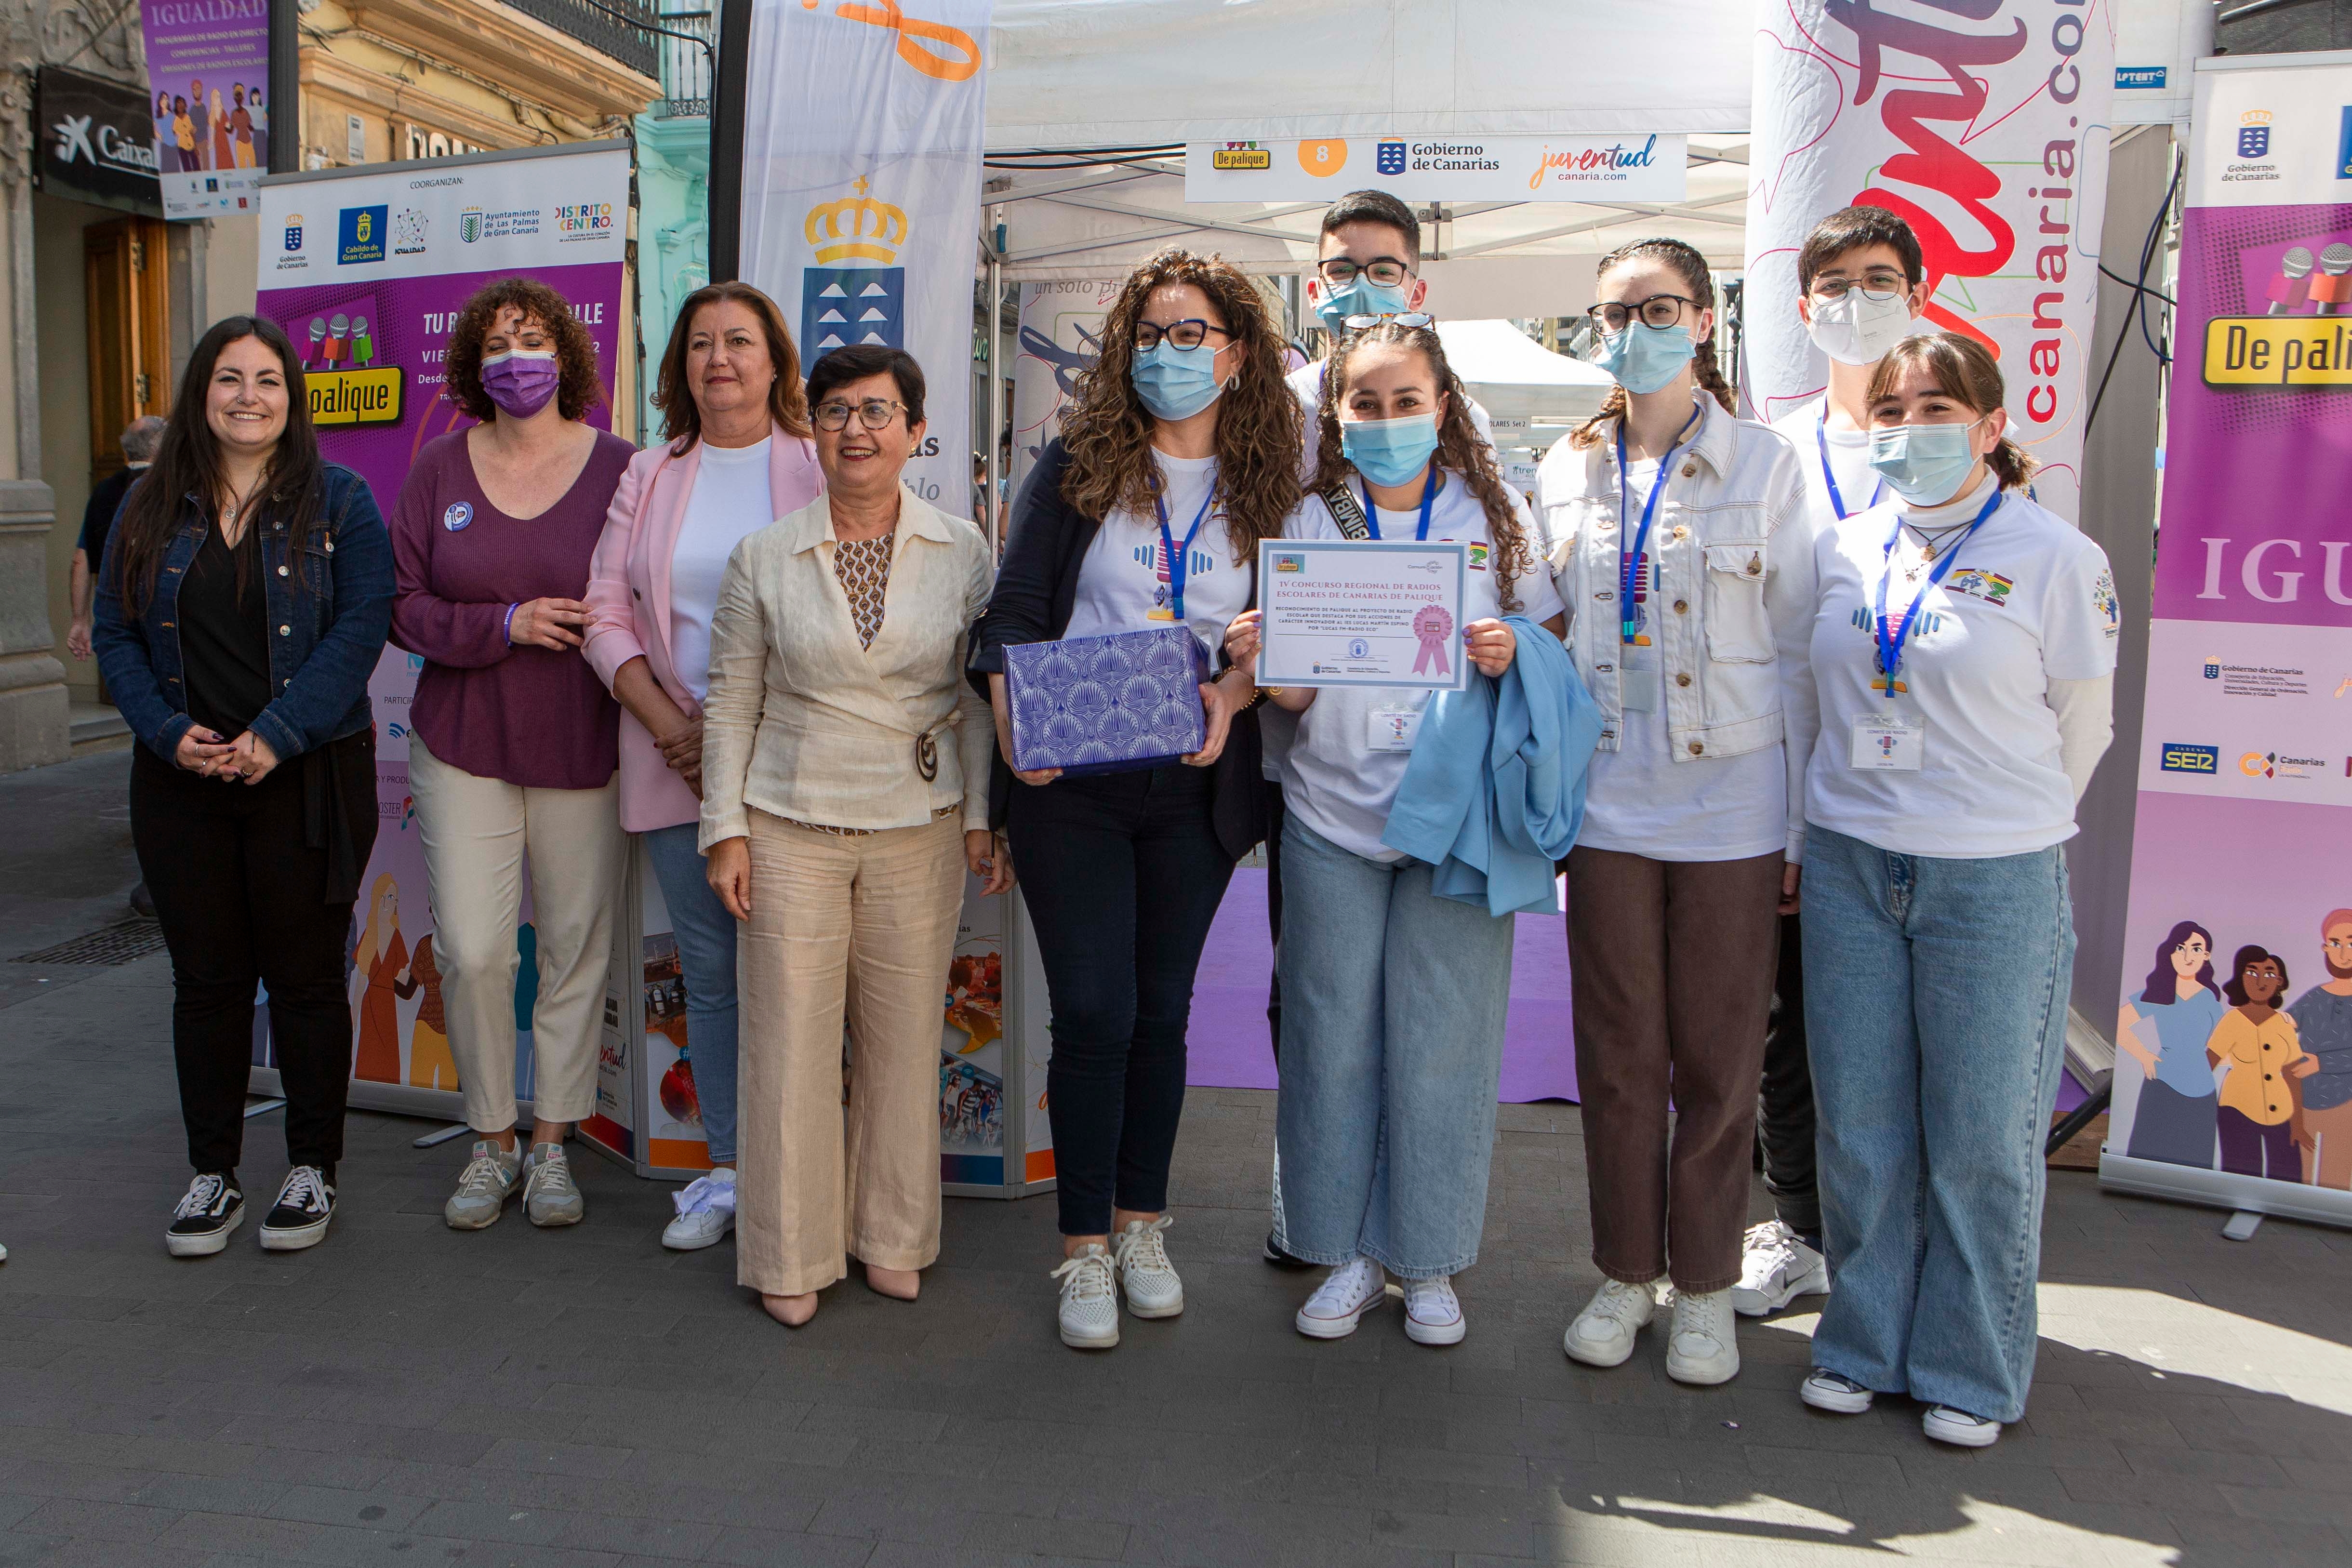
x,y
1732,608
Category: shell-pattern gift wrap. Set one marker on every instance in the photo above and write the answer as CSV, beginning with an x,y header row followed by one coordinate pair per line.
x,y
1107,704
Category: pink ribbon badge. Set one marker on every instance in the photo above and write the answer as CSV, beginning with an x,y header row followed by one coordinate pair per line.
x,y
1432,626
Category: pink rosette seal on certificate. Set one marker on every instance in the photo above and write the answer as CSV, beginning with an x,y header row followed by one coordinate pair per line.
x,y
1432,625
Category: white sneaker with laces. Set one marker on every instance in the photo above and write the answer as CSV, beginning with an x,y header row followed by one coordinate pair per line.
x,y
1432,1313
1603,1335
1775,1269
1146,1278
550,1195
1089,1312
1834,1392
1701,1346
484,1187
1340,1303
1947,1424
706,1212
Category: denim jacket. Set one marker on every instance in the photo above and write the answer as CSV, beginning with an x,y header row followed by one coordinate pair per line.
x,y
323,643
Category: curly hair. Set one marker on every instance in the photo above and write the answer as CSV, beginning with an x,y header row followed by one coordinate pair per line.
x,y
1108,431
682,416
1459,447
1966,371
575,353
1690,267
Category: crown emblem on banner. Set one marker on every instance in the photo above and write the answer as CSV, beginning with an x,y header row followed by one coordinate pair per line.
x,y
2256,117
856,227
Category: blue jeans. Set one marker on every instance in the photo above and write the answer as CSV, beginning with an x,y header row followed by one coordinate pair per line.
x,y
1393,1002
1935,1016
705,957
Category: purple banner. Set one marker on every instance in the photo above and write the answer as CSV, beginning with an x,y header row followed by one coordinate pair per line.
x,y
209,88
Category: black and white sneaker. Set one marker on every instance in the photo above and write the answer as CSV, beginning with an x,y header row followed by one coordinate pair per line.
x,y
201,1225
305,1205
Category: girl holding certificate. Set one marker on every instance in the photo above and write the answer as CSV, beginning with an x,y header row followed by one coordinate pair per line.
x,y
1393,996
1965,648
1683,544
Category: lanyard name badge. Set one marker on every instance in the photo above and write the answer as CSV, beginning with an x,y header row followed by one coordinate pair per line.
x,y
1396,727
1889,742
1828,476
1178,559
1641,685
1428,495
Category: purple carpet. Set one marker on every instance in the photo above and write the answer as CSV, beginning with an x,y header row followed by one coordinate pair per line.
x,y
1230,1048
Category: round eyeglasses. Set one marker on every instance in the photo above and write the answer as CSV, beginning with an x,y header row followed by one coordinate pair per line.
x,y
1185,334
1414,319
875,413
1657,310
1383,271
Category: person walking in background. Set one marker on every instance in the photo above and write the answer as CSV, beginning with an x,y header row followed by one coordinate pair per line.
x,y
1180,453
2174,1118
512,741
2256,1050
1964,647
735,455
242,604
845,796
2323,1027
1861,287
139,441
1687,526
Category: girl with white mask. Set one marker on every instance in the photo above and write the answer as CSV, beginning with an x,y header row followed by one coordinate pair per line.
x,y
1964,646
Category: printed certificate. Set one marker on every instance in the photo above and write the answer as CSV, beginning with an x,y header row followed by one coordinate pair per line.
x,y
1343,611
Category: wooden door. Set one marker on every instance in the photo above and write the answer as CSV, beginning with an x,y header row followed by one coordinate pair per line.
x,y
123,266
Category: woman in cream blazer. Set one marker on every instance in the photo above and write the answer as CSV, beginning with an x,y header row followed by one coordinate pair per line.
x,y
845,794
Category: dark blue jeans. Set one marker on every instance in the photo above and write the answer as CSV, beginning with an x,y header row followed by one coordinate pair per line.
x,y
1122,875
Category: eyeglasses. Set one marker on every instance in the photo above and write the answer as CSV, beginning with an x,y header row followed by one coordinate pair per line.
x,y
1878,286
1657,310
1414,319
1386,271
1185,334
874,414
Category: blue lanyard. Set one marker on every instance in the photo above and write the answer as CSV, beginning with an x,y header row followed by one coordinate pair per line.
x,y
1178,559
1428,494
1629,562
1837,502
1890,643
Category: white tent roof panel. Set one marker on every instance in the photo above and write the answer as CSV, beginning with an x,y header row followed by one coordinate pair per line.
x,y
1515,377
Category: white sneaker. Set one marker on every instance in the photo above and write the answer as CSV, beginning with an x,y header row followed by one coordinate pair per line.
x,y
706,1212
1957,1427
1775,1269
1340,1303
1145,1276
1603,1335
1432,1313
484,1187
1089,1314
1834,1392
1701,1346
550,1195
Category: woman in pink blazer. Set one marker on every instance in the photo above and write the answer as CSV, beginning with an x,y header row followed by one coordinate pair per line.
x,y
736,455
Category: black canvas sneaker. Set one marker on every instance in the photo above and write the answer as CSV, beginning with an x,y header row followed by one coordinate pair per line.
x,y
212,1208
305,1205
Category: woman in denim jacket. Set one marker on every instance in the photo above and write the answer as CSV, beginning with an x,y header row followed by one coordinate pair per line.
x,y
245,595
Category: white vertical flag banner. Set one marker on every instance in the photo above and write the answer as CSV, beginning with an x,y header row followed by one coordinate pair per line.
x,y
861,143
1983,126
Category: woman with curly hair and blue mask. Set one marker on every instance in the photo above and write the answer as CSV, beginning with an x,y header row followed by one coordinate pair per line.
x,y
1180,453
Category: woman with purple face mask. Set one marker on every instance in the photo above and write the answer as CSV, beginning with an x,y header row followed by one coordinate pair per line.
x,y
513,740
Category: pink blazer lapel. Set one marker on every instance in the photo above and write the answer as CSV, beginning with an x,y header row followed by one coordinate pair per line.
x,y
673,482
793,477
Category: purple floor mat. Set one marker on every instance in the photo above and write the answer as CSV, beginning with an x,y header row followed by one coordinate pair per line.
x,y
1230,1048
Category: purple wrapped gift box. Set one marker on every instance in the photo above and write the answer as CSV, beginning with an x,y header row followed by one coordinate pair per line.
x,y
1107,704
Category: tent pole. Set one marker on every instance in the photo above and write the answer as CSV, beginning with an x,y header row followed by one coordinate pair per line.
x,y
727,107
991,512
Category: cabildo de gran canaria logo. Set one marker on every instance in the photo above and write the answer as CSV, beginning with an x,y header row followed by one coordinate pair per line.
x,y
854,304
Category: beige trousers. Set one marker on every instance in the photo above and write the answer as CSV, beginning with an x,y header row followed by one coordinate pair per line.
x,y
861,928
476,832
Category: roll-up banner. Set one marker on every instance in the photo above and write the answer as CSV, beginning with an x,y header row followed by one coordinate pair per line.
x,y
366,268
2233,1067
209,88
1985,128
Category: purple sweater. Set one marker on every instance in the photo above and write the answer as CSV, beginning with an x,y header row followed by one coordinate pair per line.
x,y
536,717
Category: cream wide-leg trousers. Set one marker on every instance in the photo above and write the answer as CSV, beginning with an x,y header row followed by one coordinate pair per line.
x,y
476,831
860,928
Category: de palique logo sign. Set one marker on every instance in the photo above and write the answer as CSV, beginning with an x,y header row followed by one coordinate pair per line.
x,y
912,31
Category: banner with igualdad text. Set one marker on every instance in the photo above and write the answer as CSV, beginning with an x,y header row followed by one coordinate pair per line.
x,y
1985,128
208,83
2233,1061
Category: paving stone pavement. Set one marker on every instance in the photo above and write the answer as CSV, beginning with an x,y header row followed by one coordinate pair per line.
x,y
405,1395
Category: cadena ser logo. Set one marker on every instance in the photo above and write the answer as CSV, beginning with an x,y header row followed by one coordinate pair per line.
x,y
2179,757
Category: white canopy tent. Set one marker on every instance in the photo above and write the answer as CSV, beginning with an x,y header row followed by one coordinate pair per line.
x,y
1518,380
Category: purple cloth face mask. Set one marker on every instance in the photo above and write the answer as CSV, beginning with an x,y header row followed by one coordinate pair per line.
x,y
520,381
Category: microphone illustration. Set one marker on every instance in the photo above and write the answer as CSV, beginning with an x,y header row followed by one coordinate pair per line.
x,y
2285,292
2332,287
318,334
362,345
338,347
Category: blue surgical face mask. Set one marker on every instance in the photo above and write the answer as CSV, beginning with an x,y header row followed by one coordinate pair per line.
x,y
1924,464
1389,452
1361,297
1176,384
1644,358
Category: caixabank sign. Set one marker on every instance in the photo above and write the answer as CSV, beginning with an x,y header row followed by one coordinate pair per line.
x,y
96,143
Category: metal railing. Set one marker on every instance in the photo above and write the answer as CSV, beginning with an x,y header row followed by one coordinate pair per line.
x,y
618,28
686,66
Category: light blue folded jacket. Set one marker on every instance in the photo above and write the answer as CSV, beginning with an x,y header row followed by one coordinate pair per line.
x,y
1494,791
